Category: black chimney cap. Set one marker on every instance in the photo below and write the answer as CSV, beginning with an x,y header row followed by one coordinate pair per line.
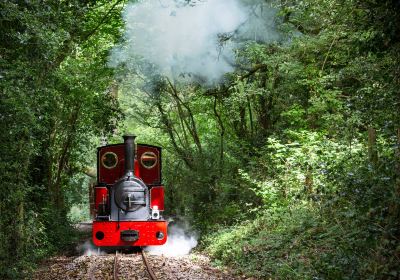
x,y
129,136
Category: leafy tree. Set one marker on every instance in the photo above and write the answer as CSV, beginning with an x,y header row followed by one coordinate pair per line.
x,y
54,100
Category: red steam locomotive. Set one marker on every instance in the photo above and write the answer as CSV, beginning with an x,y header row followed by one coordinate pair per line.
x,y
129,196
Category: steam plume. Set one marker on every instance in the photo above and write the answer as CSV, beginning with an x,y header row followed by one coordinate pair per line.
x,y
179,243
88,249
195,39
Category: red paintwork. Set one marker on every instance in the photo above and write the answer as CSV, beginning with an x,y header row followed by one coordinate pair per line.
x,y
157,197
151,177
101,194
147,232
110,176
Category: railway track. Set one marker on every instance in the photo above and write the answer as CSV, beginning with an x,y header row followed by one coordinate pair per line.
x,y
124,266
146,263
115,269
148,267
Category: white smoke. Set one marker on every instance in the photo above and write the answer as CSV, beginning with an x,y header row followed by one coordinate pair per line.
x,y
196,40
88,249
179,243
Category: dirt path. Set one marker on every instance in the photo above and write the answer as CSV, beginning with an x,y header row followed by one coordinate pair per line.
x,y
131,266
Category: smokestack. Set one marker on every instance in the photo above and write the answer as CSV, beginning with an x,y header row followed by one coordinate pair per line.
x,y
129,141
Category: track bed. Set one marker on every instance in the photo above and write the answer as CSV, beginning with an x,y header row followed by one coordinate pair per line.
x,y
130,266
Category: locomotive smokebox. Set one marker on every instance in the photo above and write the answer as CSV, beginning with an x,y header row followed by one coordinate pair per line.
x,y
129,141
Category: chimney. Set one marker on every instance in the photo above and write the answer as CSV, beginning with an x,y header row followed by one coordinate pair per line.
x,y
129,141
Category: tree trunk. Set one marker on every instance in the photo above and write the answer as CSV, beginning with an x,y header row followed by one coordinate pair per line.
x,y
394,206
398,156
372,150
168,127
250,118
57,195
191,124
222,132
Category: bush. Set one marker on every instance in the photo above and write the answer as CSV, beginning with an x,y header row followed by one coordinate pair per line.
x,y
326,214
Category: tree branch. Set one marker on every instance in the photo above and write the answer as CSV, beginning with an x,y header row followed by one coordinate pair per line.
x,y
91,33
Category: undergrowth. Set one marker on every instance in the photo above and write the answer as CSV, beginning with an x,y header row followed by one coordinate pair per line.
x,y
326,214
302,243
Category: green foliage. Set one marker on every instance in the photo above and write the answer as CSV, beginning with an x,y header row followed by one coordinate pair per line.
x,y
301,168
292,244
333,226
79,213
285,148
54,102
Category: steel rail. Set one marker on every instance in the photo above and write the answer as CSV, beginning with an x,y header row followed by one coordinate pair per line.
x,y
148,267
116,266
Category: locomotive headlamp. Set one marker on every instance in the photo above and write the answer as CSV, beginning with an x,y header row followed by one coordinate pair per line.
x,y
160,235
155,213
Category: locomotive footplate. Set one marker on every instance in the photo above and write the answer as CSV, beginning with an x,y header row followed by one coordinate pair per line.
x,y
129,233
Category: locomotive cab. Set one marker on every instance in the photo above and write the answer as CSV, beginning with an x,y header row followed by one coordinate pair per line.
x,y
129,197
